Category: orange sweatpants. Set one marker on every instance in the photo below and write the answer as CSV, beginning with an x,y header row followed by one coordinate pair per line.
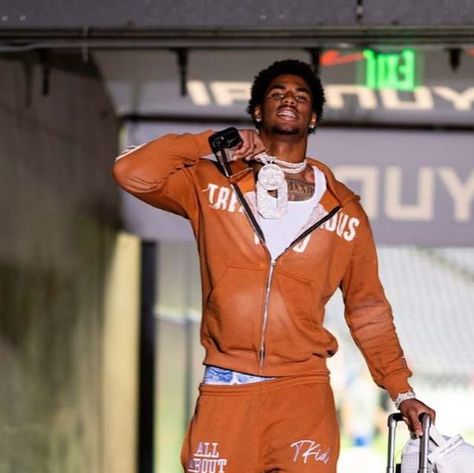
x,y
287,425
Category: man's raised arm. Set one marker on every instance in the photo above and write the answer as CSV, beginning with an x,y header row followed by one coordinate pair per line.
x,y
158,172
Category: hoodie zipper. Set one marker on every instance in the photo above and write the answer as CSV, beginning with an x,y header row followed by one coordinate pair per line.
x,y
259,232
313,227
261,351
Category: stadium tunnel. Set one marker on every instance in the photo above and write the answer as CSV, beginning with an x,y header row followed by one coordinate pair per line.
x,y
100,294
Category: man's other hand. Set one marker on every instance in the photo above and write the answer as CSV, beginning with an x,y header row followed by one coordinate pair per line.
x,y
411,410
250,147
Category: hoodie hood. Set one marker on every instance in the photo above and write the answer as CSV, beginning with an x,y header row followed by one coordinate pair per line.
x,y
341,192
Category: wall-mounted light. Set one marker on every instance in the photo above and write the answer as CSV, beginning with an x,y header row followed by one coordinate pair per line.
x,y
315,57
454,58
45,63
182,55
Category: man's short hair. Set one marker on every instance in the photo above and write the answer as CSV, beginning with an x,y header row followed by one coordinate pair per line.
x,y
288,66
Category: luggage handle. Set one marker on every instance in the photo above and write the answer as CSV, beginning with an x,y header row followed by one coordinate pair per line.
x,y
393,419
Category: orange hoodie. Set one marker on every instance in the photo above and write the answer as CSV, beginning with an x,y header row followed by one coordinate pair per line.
x,y
261,316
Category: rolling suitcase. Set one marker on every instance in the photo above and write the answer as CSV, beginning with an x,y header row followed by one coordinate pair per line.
x,y
393,420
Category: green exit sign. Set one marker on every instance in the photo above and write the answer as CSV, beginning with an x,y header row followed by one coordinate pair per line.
x,y
394,70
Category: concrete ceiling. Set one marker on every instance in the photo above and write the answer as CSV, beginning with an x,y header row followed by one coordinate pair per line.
x,y
227,23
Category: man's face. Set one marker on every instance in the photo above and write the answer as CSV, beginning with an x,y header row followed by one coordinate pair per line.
x,y
287,106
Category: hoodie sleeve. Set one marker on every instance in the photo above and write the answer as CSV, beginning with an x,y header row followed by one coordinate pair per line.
x,y
369,315
158,172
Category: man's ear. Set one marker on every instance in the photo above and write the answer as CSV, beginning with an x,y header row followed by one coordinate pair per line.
x,y
257,113
314,120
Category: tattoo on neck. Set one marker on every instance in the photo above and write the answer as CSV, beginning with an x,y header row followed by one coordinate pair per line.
x,y
299,189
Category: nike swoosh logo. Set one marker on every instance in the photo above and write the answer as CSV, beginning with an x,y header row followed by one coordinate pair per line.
x,y
335,58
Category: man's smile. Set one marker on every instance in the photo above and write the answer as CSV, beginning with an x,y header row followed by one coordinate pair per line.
x,y
287,112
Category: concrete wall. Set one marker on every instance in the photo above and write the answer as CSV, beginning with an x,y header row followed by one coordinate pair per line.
x,y
120,358
58,220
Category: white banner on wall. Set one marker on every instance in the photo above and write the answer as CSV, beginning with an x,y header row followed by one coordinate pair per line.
x,y
218,85
416,186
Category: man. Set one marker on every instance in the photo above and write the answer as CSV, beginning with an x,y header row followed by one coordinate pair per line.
x,y
276,238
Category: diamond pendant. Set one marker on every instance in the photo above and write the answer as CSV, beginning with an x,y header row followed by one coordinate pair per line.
x,y
272,178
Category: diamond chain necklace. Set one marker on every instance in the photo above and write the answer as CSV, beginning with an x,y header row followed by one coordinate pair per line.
x,y
290,168
271,177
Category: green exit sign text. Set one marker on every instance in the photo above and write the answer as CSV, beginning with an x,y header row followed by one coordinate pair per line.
x,y
395,70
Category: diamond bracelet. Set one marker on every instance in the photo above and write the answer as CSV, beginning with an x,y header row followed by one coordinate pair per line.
x,y
404,397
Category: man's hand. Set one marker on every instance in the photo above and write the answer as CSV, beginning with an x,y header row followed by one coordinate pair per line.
x,y
411,410
250,147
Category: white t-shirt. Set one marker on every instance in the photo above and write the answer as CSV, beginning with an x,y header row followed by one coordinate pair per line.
x,y
281,232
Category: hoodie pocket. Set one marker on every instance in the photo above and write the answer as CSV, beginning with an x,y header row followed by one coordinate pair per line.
x,y
290,332
297,295
233,313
